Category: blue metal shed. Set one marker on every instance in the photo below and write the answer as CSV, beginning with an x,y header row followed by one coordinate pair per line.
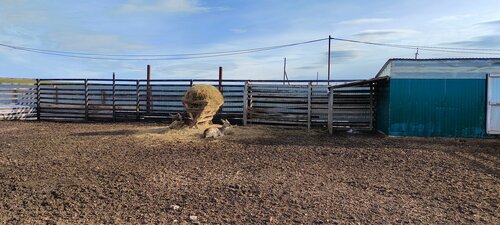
x,y
455,97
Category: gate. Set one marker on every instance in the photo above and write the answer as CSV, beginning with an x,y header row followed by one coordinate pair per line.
x,y
278,105
352,105
493,113
307,104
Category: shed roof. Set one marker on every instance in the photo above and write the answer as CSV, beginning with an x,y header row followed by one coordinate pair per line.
x,y
389,62
360,83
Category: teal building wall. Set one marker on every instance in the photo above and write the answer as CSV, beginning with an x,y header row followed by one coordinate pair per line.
x,y
437,107
382,110
438,98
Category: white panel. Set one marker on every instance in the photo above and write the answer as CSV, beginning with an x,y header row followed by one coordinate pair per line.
x,y
493,114
444,69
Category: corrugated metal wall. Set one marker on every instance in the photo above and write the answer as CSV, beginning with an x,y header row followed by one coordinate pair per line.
x,y
437,107
382,112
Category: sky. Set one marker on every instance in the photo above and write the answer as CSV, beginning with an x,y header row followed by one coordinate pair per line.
x,y
193,26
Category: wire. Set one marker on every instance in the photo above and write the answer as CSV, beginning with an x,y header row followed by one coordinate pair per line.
x,y
427,48
169,56
151,57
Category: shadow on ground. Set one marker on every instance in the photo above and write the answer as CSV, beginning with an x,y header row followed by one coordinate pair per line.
x,y
124,132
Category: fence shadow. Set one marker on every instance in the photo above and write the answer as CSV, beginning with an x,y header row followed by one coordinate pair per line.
x,y
262,135
484,157
123,132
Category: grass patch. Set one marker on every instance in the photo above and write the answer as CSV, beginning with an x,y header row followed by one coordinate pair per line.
x,y
17,80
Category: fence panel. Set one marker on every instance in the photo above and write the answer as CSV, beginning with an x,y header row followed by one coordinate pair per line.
x,y
277,104
17,101
62,100
165,98
299,103
352,107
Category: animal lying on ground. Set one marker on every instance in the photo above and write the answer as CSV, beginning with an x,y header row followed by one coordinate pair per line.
x,y
177,121
215,132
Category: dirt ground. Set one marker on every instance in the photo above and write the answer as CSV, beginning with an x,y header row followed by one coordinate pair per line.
x,y
92,173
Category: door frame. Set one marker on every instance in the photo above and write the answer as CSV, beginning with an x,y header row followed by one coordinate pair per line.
x,y
489,105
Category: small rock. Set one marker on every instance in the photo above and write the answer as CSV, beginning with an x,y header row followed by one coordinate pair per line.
x,y
193,218
176,221
175,207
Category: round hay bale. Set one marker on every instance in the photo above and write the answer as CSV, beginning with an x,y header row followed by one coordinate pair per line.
x,y
202,101
204,92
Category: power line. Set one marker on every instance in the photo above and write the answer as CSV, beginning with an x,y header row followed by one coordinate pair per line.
x,y
151,57
427,48
86,55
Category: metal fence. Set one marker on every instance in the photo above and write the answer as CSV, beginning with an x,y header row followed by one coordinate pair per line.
x,y
294,103
17,101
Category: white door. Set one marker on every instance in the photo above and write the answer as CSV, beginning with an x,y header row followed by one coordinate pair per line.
x,y
493,114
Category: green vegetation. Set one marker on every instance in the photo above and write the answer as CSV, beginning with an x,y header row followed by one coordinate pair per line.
x,y
25,81
17,80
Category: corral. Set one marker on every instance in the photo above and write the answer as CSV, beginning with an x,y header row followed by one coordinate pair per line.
x,y
140,173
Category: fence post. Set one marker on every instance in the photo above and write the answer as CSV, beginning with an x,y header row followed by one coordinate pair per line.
x,y
371,106
86,84
330,110
137,101
38,99
220,79
309,103
245,103
148,90
114,97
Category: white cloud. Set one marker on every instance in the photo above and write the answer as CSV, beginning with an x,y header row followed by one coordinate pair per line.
x,y
93,42
444,19
165,6
386,34
238,30
365,21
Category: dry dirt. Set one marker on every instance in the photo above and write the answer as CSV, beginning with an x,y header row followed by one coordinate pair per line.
x,y
120,173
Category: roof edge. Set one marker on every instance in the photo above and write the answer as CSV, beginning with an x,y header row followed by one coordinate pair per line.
x,y
427,59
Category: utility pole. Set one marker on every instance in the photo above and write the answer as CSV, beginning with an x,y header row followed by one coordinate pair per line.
x,y
329,55
285,75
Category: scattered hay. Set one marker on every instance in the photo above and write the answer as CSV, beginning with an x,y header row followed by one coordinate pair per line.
x,y
184,134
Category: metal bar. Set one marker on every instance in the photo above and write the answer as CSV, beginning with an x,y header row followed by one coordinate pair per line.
x,y
62,79
86,83
330,111
309,94
38,108
57,93
137,102
148,90
329,55
234,80
220,79
114,97
199,80
371,106
361,82
245,103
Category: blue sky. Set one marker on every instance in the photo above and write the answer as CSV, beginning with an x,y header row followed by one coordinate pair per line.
x,y
190,26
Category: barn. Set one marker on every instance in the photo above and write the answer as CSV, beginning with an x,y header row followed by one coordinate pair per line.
x,y
439,97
